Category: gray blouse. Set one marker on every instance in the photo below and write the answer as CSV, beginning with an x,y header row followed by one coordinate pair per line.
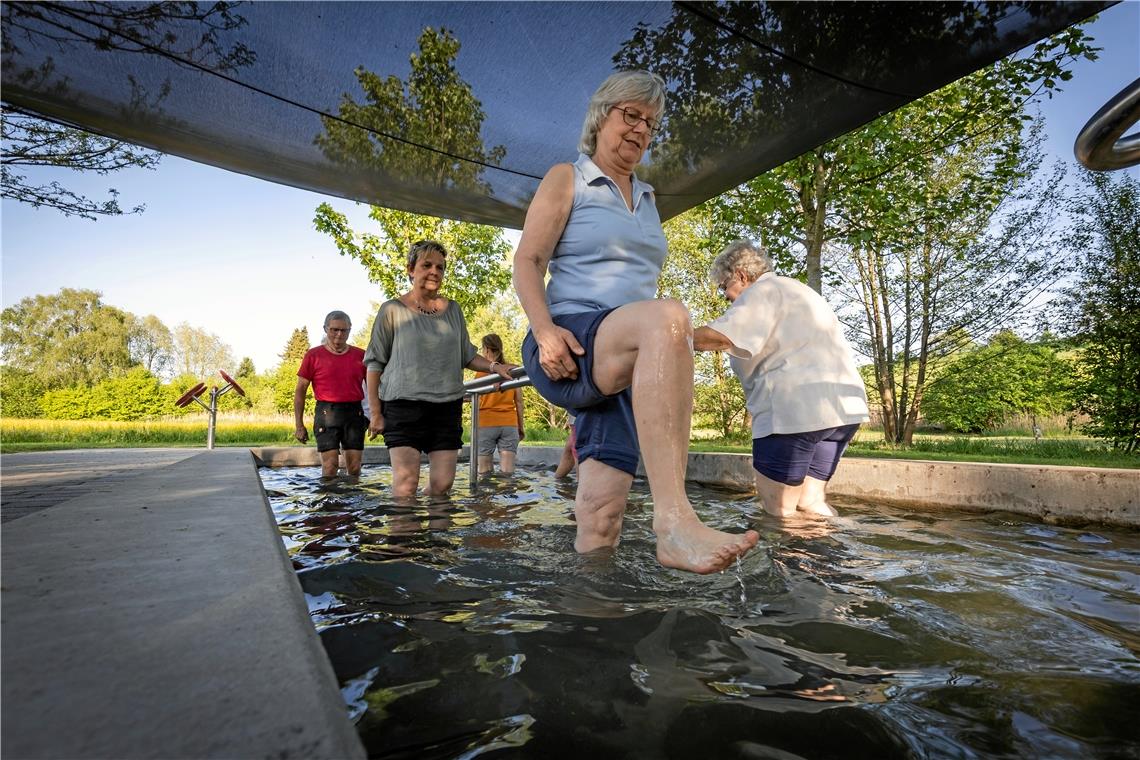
x,y
421,356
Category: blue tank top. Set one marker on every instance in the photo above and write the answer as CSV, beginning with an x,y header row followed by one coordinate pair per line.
x,y
608,255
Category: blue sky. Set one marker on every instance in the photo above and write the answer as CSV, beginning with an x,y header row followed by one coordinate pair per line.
x,y
239,256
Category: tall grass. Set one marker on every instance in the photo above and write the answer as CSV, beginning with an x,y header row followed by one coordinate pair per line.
x,y
254,430
24,434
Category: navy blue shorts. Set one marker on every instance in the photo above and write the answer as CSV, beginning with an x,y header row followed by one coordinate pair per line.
x,y
603,426
788,458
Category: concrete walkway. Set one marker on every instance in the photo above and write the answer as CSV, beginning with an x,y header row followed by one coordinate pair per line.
x,y
40,479
156,614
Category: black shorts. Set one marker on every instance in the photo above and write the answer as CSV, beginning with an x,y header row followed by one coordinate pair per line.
x,y
339,425
423,425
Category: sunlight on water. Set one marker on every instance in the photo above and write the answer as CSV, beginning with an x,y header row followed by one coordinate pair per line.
x,y
470,625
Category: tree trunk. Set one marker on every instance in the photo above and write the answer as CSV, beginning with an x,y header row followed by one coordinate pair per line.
x,y
813,202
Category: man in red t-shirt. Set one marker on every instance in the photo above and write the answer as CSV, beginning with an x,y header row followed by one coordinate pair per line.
x,y
336,371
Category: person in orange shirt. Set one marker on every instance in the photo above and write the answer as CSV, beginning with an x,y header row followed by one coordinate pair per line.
x,y
500,415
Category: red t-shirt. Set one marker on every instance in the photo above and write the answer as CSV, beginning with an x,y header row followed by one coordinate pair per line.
x,y
335,377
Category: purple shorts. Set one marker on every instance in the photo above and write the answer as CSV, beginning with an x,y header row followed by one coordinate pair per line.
x,y
789,458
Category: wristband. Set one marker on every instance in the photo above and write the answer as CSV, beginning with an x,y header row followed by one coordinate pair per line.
x,y
492,367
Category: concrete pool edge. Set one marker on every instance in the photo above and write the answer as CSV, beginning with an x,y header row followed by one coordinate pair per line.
x,y
162,618
1108,496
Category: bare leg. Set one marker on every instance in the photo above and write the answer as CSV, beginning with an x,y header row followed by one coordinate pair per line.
x,y
441,468
330,462
405,470
565,462
352,459
507,461
649,345
484,464
813,498
778,499
599,506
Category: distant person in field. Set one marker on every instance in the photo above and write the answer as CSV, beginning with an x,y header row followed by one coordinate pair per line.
x,y
336,372
500,415
415,360
800,381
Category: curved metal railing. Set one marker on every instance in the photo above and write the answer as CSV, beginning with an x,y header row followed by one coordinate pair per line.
x,y
1100,145
473,389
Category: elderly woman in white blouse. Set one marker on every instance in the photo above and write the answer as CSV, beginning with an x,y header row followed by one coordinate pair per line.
x,y
800,381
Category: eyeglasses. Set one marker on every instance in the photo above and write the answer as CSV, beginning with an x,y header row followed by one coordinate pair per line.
x,y
722,287
633,118
337,329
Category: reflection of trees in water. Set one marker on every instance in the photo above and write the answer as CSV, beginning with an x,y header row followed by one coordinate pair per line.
x,y
186,33
737,72
426,130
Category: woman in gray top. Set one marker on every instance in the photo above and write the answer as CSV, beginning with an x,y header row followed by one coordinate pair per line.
x,y
415,360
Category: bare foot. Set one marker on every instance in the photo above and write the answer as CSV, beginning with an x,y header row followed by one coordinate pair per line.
x,y
695,547
821,508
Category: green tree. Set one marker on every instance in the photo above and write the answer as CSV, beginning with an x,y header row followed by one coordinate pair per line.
x,y
245,368
285,376
151,345
71,403
69,338
979,390
1104,306
136,395
198,352
477,268
295,348
20,393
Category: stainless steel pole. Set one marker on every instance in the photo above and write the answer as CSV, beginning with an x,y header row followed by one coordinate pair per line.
x,y
474,471
213,418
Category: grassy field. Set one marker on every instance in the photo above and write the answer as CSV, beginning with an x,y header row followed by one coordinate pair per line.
x,y
1064,451
44,435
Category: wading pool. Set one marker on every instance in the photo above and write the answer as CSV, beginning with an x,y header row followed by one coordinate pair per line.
x,y
470,626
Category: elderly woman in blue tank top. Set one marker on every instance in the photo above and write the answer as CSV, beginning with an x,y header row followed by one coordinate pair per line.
x,y
600,344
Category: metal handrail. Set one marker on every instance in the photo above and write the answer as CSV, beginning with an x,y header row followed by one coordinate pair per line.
x,y
1099,145
492,378
473,389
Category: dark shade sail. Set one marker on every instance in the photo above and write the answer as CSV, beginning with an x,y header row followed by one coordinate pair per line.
x,y
458,109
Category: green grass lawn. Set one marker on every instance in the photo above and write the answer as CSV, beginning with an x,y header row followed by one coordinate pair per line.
x,y
1074,451
45,435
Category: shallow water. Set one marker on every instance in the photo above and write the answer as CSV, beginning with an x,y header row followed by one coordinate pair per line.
x,y
471,626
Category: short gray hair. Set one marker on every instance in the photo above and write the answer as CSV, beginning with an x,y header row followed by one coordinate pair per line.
x,y
744,255
337,315
423,246
635,86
